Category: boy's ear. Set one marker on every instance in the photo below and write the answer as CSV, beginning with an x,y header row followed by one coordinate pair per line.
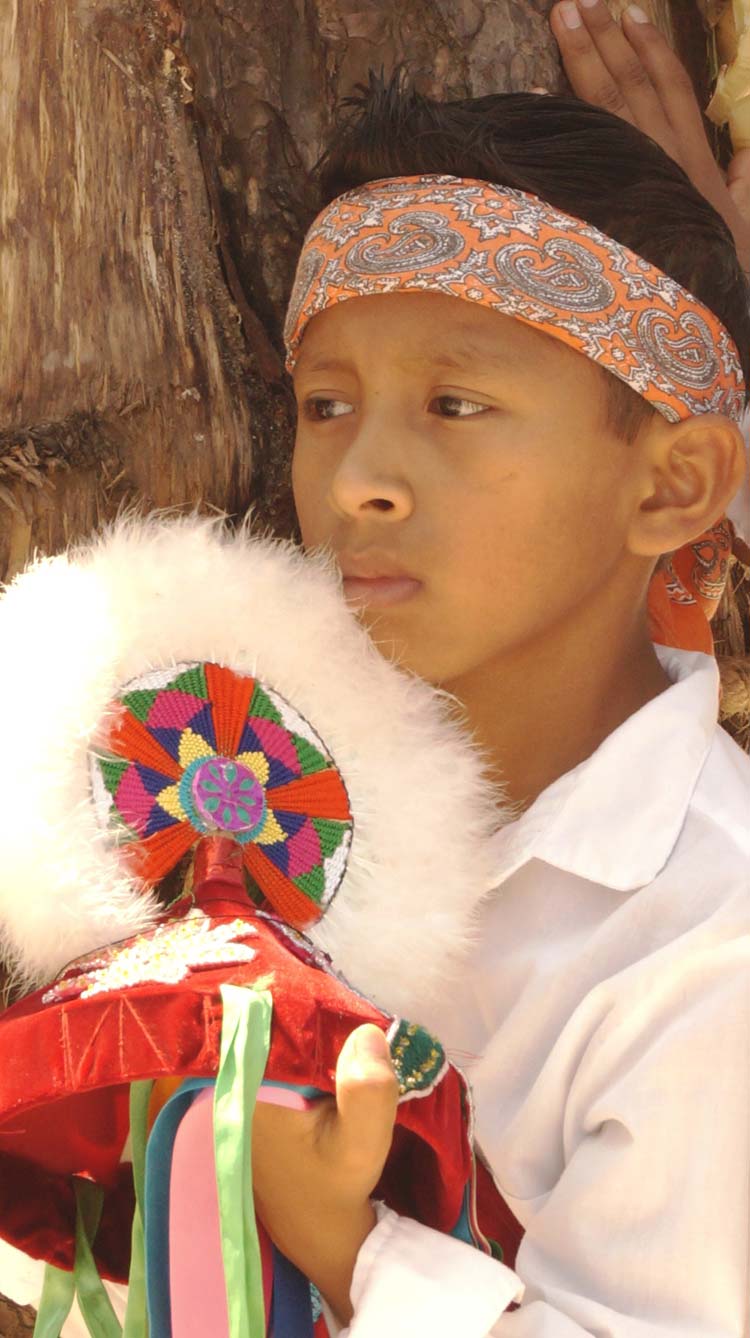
x,y
691,472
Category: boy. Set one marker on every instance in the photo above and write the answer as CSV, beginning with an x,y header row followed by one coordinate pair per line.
x,y
504,552
498,479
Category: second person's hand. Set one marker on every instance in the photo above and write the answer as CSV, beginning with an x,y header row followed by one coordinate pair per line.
x,y
631,70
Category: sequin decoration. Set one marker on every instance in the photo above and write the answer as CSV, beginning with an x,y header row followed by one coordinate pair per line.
x,y
419,1060
198,749
163,957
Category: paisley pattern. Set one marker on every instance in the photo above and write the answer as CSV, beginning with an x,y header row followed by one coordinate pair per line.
x,y
516,253
311,264
560,274
678,343
698,573
412,241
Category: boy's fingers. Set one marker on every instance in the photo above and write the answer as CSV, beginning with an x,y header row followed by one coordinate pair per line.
x,y
366,1101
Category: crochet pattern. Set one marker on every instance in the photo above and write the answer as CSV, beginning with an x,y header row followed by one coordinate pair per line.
x,y
198,750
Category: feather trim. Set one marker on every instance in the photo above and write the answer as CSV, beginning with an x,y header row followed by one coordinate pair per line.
x,y
151,593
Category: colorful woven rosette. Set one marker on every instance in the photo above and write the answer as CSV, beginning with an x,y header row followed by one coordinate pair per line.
x,y
199,750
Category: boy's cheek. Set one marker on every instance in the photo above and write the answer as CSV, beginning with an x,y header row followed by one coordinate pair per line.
x,y
313,515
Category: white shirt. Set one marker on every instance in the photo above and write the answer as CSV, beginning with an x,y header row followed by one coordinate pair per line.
x,y
604,1021
608,1009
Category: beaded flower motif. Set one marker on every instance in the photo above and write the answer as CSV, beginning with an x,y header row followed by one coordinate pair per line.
x,y
165,956
198,750
418,1058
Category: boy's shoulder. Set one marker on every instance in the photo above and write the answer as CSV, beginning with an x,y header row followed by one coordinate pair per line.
x,y
690,923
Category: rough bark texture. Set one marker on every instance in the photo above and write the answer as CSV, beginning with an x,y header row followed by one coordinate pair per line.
x,y
16,1321
123,367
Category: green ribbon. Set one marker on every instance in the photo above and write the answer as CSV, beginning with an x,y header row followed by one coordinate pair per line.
x,y
94,1303
61,1287
136,1314
55,1303
245,1042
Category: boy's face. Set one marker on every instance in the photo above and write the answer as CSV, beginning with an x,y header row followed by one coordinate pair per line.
x,y
457,465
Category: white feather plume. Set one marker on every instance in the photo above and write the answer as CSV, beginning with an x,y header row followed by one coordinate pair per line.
x,y
154,592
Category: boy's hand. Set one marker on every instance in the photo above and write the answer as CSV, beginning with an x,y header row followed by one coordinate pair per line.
x,y
314,1171
632,71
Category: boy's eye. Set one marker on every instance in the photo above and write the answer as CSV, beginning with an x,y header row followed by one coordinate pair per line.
x,y
321,408
453,406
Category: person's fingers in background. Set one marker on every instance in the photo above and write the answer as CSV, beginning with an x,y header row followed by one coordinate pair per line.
x,y
604,68
630,69
738,181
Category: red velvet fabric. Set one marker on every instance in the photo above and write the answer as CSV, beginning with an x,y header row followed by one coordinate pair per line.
x,y
65,1070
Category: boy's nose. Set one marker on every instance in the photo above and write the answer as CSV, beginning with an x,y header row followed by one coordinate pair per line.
x,y
369,479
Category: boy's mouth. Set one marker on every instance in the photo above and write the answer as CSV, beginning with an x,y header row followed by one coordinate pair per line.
x,y
380,590
374,580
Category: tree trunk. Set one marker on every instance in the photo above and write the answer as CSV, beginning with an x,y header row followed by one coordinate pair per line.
x,y
152,201
16,1321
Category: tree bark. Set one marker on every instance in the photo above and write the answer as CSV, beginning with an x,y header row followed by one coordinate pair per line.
x,y
16,1321
125,370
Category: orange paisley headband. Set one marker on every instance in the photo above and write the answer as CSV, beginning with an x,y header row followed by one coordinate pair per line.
x,y
517,254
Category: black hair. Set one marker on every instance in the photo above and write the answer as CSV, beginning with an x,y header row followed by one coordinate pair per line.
x,y
585,161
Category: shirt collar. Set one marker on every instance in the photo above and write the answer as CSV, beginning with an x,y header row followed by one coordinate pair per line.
x,y
615,818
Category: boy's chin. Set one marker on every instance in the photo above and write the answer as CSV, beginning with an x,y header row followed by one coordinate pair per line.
x,y
411,649
432,667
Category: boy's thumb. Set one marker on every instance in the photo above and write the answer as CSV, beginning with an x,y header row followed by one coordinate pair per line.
x,y
365,1058
367,1090
371,1045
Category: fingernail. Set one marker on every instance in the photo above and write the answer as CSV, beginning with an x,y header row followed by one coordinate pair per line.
x,y
570,16
589,4
637,14
371,1043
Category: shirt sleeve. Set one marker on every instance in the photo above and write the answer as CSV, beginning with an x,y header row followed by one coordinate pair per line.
x,y
646,1231
410,1279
